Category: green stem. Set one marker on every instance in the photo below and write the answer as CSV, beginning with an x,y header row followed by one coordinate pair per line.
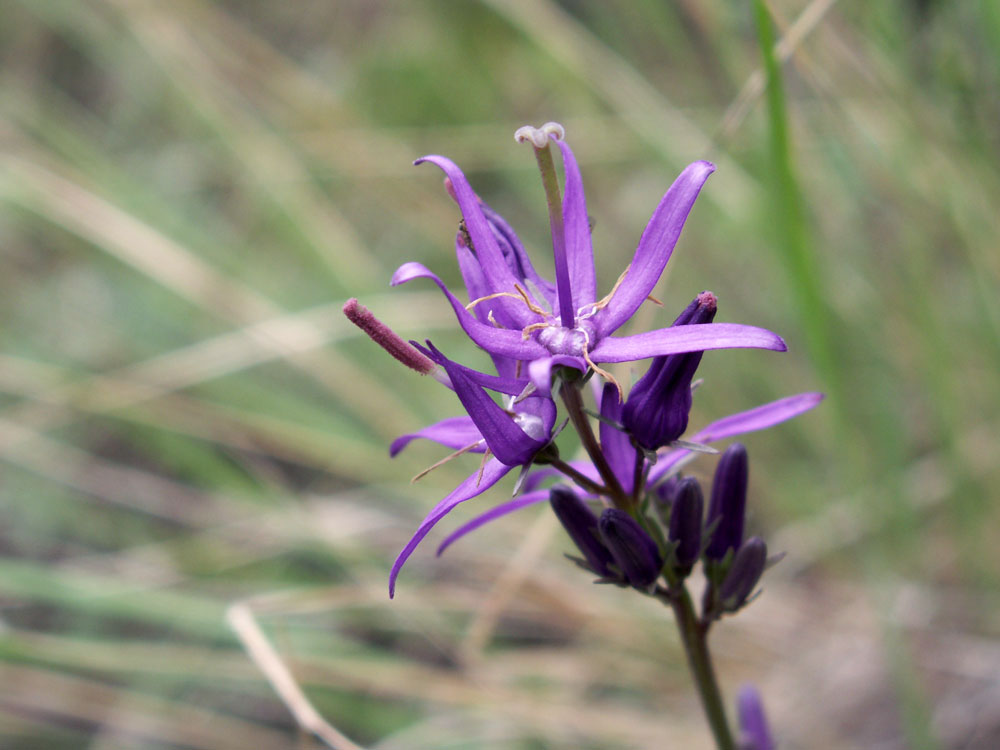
x,y
581,423
576,476
694,636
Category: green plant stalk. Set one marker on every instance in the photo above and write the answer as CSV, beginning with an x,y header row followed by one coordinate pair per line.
x,y
694,636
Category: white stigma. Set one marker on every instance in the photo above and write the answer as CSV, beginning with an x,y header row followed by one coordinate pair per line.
x,y
539,137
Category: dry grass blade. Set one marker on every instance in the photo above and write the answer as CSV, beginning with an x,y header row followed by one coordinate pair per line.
x,y
804,24
241,620
646,110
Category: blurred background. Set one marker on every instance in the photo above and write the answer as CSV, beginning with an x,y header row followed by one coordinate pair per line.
x,y
197,508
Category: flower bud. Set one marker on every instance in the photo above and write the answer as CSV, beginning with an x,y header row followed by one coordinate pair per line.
x,y
634,552
727,507
685,522
656,412
746,570
755,734
581,525
663,498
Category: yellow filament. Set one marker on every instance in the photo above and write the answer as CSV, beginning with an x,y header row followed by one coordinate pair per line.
x,y
444,460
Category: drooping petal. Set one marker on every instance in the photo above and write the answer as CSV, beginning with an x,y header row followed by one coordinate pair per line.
x,y
495,268
579,249
454,433
510,386
499,511
615,444
505,342
511,444
655,247
693,338
759,418
474,485
540,370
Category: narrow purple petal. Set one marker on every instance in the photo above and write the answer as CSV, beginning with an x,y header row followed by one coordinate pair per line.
x,y
492,514
754,729
474,485
498,274
510,386
518,259
454,433
579,250
507,343
759,418
509,443
615,444
655,247
679,339
540,370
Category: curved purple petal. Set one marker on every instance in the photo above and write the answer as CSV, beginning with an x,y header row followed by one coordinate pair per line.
x,y
579,249
518,258
498,274
540,370
655,246
759,418
615,444
511,444
505,342
474,485
492,514
454,433
679,339
510,386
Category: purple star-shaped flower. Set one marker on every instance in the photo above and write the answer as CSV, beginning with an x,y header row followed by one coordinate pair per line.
x,y
566,324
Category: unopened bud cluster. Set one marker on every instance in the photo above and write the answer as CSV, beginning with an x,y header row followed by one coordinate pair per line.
x,y
656,548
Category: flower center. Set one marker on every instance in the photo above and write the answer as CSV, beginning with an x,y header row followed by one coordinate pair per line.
x,y
571,341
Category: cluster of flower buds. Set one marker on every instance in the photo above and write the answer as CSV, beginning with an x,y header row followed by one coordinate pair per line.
x,y
670,533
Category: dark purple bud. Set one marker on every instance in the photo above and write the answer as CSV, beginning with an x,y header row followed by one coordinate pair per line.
x,y
755,734
685,522
634,552
581,525
727,507
656,412
663,497
746,570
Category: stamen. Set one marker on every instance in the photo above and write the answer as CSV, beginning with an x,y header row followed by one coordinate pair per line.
x,y
528,301
528,330
489,297
493,320
653,299
445,460
603,373
606,300
482,466
388,339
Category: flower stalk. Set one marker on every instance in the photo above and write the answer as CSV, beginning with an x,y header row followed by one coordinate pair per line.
x,y
546,338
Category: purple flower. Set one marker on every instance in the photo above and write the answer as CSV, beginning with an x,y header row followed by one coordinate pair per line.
x,y
531,320
656,412
755,734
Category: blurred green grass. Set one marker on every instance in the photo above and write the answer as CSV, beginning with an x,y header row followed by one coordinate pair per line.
x,y
190,190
